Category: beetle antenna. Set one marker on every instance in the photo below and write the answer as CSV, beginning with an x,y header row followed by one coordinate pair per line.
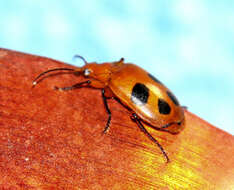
x,y
35,81
80,57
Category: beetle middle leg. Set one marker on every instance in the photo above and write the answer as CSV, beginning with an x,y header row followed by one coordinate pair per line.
x,y
135,118
108,111
77,85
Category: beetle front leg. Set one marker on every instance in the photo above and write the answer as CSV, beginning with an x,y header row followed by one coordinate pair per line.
x,y
75,86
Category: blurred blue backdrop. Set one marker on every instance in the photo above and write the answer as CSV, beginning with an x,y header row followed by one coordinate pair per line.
x,y
187,44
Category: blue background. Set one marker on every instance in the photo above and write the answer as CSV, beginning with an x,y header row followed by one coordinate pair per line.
x,y
187,44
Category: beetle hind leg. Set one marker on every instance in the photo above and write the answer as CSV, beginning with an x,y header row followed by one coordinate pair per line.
x,y
143,129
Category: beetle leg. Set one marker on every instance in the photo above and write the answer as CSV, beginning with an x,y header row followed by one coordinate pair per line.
x,y
108,111
143,129
77,85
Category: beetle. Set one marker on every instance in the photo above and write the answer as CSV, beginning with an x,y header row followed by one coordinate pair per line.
x,y
149,101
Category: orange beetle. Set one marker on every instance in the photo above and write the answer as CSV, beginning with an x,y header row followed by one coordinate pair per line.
x,y
148,100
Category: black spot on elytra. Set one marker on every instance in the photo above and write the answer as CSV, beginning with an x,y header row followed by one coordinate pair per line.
x,y
140,94
173,98
155,79
163,107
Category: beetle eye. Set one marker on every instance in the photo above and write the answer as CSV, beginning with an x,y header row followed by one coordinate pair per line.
x,y
87,72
